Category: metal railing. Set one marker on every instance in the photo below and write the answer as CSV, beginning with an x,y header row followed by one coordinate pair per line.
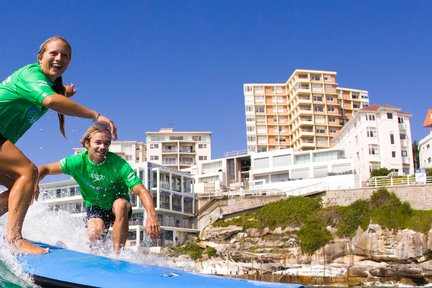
x,y
384,181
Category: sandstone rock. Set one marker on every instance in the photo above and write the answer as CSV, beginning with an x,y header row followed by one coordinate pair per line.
x,y
202,245
221,233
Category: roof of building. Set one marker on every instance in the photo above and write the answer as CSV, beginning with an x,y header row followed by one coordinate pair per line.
x,y
376,107
428,120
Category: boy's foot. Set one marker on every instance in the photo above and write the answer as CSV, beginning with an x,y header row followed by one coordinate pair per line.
x,y
22,246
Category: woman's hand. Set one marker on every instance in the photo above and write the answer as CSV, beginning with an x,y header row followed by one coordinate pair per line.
x,y
70,90
102,122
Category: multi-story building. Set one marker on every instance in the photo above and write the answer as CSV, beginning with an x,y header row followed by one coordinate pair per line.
x,y
287,170
178,150
378,137
131,151
304,113
425,144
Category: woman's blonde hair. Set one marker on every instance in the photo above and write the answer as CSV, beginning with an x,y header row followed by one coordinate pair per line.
x,y
91,131
58,84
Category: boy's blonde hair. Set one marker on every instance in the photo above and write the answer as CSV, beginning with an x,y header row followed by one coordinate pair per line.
x,y
91,131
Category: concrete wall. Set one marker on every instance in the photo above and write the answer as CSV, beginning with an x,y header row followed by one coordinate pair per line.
x,y
419,196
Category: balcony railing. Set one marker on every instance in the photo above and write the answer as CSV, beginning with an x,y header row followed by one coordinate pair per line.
x,y
384,181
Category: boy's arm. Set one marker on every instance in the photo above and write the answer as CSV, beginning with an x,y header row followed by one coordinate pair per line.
x,y
152,224
49,169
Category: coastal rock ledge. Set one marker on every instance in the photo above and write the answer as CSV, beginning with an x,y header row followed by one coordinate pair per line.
x,y
376,255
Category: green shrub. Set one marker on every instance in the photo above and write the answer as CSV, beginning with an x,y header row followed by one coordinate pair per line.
x,y
380,172
290,211
312,236
193,250
210,251
352,217
420,220
388,211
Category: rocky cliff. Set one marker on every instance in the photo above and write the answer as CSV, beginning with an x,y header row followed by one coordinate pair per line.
x,y
374,255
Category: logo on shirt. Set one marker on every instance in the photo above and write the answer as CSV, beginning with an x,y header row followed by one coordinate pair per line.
x,y
42,83
130,177
97,177
32,115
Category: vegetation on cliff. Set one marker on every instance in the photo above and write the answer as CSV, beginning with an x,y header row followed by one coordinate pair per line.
x,y
383,208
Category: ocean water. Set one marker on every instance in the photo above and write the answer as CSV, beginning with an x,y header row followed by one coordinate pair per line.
x,y
60,229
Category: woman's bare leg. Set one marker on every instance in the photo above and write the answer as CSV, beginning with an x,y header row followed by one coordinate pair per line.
x,y
25,173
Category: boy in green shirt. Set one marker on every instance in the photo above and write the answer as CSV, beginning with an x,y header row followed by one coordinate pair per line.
x,y
105,179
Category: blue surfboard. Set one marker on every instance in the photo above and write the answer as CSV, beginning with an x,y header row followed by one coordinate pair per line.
x,y
67,268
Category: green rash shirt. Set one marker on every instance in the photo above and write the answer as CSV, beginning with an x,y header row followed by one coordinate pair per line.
x,y
21,96
101,184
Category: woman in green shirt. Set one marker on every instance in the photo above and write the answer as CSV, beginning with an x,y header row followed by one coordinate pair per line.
x,y
26,96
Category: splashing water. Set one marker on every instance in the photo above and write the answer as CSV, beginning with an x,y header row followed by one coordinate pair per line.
x,y
60,228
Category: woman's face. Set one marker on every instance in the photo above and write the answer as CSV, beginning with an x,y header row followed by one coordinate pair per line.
x,y
55,60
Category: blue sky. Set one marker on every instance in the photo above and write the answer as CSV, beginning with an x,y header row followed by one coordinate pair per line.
x,y
182,64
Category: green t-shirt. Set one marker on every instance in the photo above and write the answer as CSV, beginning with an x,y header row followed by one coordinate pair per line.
x,y
101,184
21,96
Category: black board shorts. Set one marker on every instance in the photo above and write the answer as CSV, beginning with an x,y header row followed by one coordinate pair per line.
x,y
107,216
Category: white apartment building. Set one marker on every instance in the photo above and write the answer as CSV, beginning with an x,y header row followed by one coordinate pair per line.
x,y
378,137
131,151
425,144
178,150
425,151
289,171
172,193
304,113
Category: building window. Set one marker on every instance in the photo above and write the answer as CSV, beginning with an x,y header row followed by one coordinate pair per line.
x,y
248,88
154,146
331,119
202,146
330,108
393,154
318,98
320,130
389,116
373,150
370,117
402,136
249,108
318,108
280,138
202,158
404,153
371,132
154,157
401,119
317,88
392,138
259,99
316,77
259,109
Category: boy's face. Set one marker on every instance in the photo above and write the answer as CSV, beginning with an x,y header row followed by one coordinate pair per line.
x,y
98,146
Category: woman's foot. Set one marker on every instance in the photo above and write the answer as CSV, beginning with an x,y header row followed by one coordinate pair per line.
x,y
22,246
